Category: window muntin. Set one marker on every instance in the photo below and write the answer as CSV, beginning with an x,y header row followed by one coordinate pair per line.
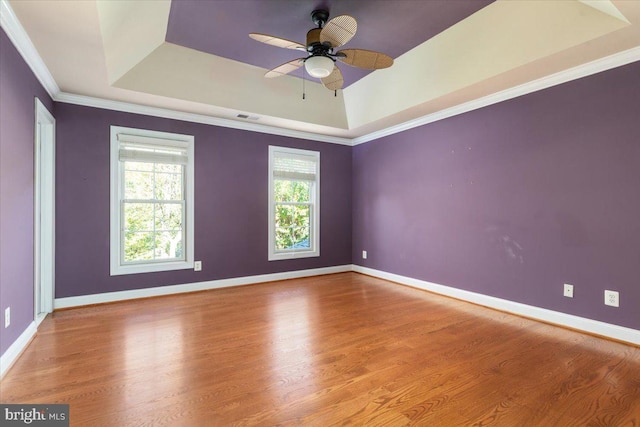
x,y
151,201
294,181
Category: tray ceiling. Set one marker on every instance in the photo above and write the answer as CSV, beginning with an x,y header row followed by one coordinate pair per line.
x,y
195,56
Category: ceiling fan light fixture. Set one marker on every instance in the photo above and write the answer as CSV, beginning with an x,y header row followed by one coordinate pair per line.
x,y
321,44
319,66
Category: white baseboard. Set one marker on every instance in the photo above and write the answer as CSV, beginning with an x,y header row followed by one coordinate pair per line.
x,y
603,329
18,346
192,287
616,332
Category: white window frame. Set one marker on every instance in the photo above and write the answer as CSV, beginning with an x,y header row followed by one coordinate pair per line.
x,y
314,234
117,186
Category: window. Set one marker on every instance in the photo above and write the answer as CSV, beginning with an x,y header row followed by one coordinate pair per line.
x,y
294,203
151,201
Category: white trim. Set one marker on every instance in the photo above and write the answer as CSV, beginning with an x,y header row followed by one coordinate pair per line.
x,y
20,39
596,327
314,238
599,65
116,267
587,325
603,329
44,211
88,101
193,287
39,318
10,356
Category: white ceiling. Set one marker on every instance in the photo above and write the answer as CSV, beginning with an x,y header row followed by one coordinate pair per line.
x,y
116,51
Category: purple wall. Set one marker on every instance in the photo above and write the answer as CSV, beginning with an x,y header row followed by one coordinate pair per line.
x,y
231,169
18,87
511,200
515,199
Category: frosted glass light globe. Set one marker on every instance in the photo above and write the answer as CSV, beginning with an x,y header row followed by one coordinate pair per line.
x,y
319,66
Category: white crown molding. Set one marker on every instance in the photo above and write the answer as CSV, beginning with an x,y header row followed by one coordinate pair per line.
x,y
584,70
192,287
127,107
599,65
590,326
15,350
20,39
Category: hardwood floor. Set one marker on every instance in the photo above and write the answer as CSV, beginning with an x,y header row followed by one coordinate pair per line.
x,y
333,350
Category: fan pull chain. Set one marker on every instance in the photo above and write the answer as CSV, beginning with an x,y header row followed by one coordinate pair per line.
x,y
303,94
335,93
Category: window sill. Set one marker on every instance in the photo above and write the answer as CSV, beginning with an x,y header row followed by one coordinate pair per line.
x,y
118,270
293,255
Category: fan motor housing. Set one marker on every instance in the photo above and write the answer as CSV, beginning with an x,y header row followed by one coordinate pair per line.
x,y
314,46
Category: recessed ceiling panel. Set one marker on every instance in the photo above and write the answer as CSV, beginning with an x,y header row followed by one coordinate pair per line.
x,y
448,55
221,27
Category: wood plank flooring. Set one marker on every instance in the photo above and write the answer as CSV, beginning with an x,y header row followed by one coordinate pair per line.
x,y
344,349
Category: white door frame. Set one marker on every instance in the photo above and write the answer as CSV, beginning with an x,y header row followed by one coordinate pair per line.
x,y
44,212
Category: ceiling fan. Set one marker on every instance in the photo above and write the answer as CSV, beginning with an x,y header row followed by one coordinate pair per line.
x,y
321,43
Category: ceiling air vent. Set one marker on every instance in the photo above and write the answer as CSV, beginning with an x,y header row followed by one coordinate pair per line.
x,y
247,117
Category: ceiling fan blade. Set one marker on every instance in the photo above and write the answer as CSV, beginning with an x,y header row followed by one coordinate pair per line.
x,y
339,30
333,81
285,68
276,41
365,58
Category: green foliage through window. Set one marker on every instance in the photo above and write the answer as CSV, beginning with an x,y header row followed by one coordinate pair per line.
x,y
292,214
153,210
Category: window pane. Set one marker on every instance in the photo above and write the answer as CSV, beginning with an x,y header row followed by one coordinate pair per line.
x,y
151,226
294,199
138,246
168,216
168,245
292,191
283,238
293,215
164,167
292,238
138,185
168,186
300,238
284,215
138,216
138,166
301,216
280,190
301,191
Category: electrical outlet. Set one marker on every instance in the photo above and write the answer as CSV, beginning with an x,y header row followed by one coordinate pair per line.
x,y
612,298
7,317
197,266
364,254
568,290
